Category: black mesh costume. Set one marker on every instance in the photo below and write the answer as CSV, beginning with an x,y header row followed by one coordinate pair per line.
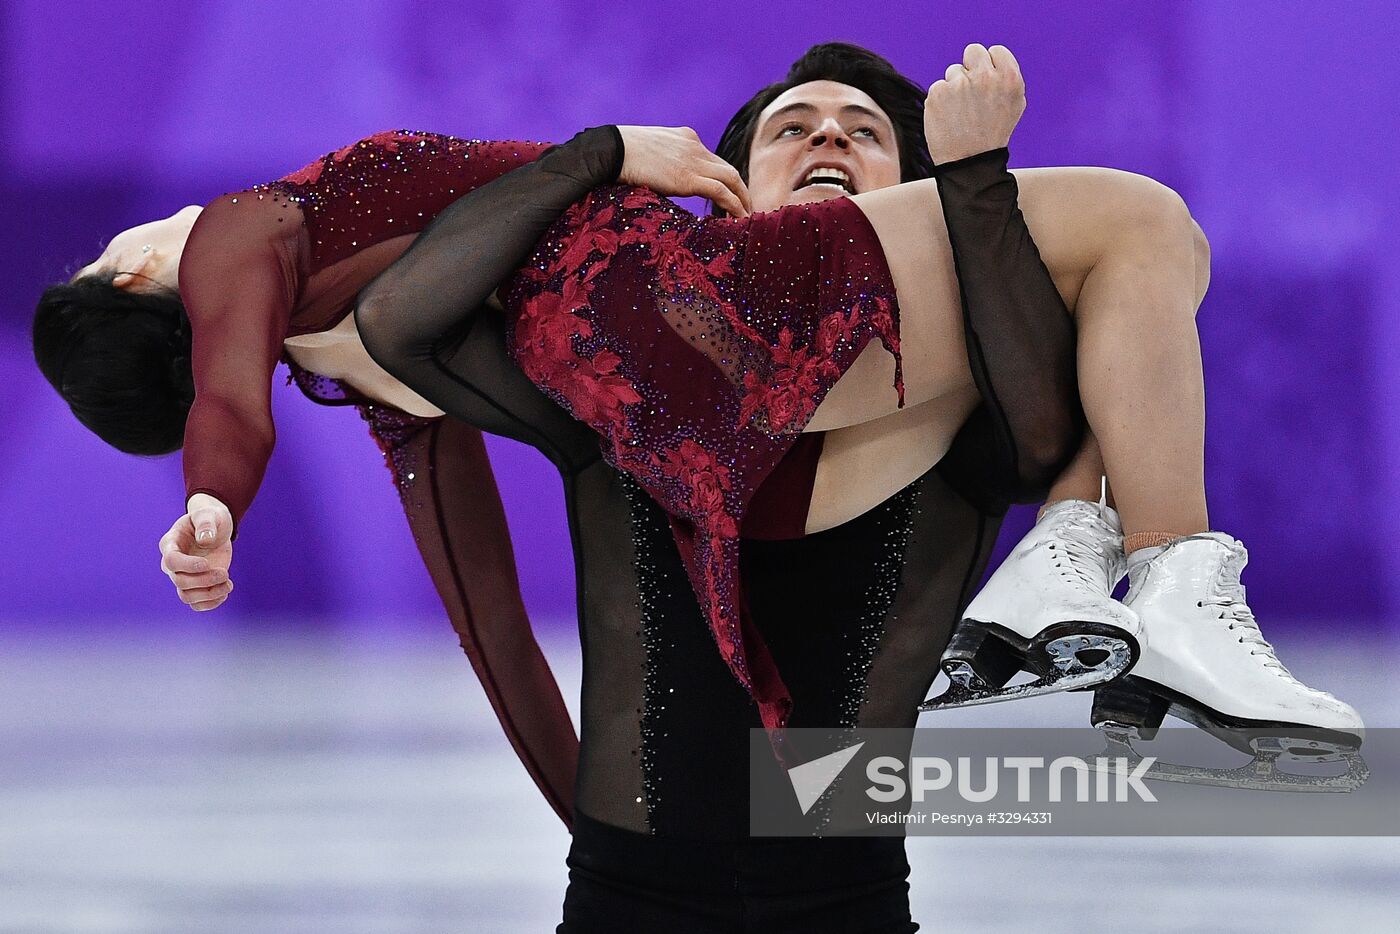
x,y
856,617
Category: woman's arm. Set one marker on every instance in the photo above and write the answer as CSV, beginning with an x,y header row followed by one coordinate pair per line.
x,y
238,284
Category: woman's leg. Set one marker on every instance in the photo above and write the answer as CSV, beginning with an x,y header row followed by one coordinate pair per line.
x,y
914,240
1140,379
444,478
863,465
1122,250
1081,479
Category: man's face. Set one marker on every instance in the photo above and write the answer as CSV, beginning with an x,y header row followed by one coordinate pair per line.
x,y
813,135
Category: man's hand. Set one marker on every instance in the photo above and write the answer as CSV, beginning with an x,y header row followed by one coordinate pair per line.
x,y
673,161
197,551
976,105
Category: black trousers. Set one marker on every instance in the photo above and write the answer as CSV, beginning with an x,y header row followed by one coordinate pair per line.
x,y
621,882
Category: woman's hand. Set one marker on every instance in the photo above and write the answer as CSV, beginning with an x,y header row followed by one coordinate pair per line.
x,y
976,105
197,551
673,161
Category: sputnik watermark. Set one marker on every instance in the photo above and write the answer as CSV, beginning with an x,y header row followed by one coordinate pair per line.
x,y
947,780
932,773
810,780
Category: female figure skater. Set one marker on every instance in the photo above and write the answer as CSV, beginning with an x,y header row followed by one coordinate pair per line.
x,y
699,350
171,336
855,615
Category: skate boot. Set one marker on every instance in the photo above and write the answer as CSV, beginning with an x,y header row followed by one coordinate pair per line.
x,y
1048,610
1205,661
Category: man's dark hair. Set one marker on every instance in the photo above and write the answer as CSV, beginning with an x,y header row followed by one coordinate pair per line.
x,y
120,358
901,99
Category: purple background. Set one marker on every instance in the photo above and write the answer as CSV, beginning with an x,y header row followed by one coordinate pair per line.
x,y
1274,120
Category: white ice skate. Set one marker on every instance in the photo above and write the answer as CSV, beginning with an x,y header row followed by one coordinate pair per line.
x,y
1048,610
1206,662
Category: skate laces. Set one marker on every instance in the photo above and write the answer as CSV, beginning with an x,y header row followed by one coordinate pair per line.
x,y
1228,595
1088,544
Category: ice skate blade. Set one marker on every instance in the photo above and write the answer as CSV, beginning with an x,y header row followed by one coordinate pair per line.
x,y
1263,774
1057,659
1137,702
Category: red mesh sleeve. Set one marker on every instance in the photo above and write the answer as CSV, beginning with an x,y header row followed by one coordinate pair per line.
x,y
238,282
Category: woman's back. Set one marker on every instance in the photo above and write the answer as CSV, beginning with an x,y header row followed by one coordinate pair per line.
x,y
285,260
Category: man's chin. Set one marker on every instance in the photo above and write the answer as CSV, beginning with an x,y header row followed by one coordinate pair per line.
x,y
813,193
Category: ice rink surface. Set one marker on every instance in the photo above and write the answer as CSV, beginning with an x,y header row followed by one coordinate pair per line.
x,y
232,780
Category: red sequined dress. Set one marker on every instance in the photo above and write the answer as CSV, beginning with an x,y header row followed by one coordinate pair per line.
x,y
288,258
856,617
696,348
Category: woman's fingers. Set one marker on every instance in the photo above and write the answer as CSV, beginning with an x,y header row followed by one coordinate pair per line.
x,y
201,581
175,561
195,596
209,578
211,529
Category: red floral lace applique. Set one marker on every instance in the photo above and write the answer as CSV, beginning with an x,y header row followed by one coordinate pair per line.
x,y
388,140
702,474
594,389
706,482
308,174
882,320
787,396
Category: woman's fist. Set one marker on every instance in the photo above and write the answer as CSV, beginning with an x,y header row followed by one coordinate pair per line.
x,y
195,554
976,105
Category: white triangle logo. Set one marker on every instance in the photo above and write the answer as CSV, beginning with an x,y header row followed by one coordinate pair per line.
x,y
811,779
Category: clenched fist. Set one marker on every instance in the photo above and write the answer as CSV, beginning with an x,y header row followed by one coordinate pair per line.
x,y
195,554
976,105
672,161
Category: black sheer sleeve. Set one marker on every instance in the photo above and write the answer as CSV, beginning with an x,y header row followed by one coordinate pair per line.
x,y
424,318
491,393
1020,343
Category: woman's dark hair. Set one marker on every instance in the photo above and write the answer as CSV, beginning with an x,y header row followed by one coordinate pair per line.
x,y
120,359
901,99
